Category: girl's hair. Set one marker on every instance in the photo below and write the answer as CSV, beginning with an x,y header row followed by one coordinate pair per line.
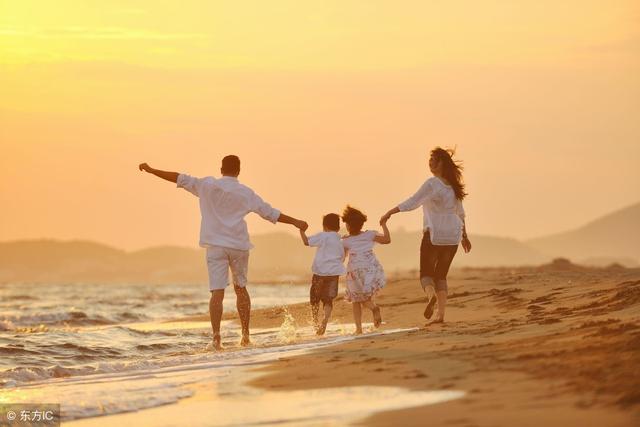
x,y
353,218
451,170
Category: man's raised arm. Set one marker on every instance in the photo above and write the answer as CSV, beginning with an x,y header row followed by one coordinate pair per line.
x,y
169,176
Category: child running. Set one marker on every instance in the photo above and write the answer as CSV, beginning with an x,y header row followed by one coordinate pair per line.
x,y
327,268
365,276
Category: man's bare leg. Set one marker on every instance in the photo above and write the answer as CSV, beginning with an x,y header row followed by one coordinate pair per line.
x,y
243,304
215,314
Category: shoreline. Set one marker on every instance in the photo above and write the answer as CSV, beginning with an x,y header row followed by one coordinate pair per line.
x,y
533,344
527,346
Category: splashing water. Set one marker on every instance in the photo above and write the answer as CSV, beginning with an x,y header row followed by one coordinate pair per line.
x,y
287,333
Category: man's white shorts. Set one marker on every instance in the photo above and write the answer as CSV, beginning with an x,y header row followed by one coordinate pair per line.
x,y
220,260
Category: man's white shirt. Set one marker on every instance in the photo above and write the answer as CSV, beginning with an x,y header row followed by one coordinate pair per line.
x,y
224,202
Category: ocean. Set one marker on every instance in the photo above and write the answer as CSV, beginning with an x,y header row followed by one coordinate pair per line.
x,y
102,350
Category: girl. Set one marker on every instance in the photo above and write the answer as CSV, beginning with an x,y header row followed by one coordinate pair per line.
x,y
365,275
444,227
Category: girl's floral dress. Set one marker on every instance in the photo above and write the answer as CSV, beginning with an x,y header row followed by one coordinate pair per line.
x,y
365,276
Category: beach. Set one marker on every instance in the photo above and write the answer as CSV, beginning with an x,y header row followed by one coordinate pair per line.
x,y
554,345
529,346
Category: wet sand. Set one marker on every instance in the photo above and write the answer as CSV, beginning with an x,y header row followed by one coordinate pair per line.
x,y
553,346
536,346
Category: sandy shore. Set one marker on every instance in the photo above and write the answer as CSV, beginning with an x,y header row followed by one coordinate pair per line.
x,y
530,347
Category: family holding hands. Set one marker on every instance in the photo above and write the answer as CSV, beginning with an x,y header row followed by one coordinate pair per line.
x,y
224,202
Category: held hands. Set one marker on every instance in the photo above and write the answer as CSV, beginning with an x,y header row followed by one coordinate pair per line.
x,y
302,225
144,167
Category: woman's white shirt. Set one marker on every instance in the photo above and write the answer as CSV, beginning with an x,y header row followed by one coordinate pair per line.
x,y
443,213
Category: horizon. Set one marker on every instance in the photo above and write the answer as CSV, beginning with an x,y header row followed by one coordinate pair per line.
x,y
341,103
286,231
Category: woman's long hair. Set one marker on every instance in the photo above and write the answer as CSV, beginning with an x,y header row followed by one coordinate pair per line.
x,y
451,170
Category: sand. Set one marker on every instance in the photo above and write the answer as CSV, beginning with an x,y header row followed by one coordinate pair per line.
x,y
551,346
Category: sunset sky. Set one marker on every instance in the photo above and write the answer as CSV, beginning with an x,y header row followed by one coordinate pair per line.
x,y
326,103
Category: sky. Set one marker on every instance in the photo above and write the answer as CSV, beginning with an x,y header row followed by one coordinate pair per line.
x,y
325,102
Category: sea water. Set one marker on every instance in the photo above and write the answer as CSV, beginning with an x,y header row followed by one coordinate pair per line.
x,y
105,350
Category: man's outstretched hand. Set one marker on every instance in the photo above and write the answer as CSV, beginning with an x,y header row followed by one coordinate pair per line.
x,y
144,167
302,225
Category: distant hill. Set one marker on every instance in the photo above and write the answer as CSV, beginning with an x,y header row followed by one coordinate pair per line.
x,y
614,237
281,257
276,257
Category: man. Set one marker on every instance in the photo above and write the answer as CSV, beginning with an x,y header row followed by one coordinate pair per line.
x,y
224,202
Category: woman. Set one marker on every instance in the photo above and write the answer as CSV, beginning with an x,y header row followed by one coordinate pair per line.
x,y
443,226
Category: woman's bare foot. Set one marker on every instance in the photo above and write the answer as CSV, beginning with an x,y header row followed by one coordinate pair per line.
x,y
377,317
358,332
428,311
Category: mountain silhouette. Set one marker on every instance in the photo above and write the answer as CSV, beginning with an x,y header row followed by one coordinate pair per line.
x,y
281,257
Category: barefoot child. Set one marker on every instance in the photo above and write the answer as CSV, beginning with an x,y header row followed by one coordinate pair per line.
x,y
327,268
365,275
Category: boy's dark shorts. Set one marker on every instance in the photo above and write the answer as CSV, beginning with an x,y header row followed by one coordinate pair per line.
x,y
323,288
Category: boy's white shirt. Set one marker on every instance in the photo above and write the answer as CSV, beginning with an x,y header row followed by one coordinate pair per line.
x,y
329,259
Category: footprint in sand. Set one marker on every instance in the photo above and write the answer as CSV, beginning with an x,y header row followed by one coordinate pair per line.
x,y
414,374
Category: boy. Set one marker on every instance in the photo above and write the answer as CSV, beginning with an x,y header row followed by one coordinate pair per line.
x,y
327,268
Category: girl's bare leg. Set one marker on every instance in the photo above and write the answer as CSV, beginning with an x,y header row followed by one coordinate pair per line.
x,y
357,317
369,304
377,318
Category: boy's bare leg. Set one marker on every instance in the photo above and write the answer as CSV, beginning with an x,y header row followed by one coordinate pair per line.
x,y
357,317
243,304
315,308
442,304
327,315
215,314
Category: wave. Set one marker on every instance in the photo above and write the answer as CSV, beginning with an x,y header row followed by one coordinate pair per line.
x,y
7,325
20,375
11,350
153,347
69,318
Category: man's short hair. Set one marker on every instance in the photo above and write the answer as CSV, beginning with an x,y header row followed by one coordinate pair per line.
x,y
231,165
331,221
